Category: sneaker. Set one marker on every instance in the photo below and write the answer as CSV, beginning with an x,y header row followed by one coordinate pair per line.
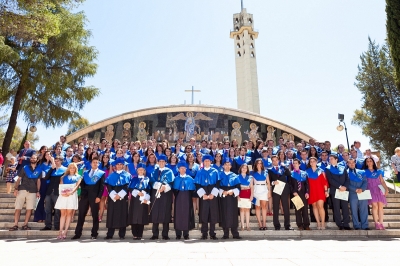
x,y
75,237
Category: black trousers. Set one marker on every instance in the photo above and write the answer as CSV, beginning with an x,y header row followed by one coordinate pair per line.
x,y
302,214
276,199
234,231
179,232
83,208
344,205
204,229
156,231
137,230
121,232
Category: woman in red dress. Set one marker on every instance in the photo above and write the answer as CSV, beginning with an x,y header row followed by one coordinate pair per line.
x,y
318,191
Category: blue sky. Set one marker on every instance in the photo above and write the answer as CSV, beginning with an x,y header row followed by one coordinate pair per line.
x,y
307,56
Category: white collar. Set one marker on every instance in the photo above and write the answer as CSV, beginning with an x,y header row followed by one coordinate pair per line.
x,y
183,176
161,169
120,171
227,173
207,168
140,176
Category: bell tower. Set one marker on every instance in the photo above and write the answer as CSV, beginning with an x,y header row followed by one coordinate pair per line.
x,y
244,36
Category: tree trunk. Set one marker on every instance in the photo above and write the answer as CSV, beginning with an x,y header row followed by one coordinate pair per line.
x,y
13,119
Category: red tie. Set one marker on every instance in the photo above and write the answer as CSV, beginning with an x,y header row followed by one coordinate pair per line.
x,y
242,158
277,168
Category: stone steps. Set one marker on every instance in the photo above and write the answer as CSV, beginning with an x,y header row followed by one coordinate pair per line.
x,y
196,234
253,225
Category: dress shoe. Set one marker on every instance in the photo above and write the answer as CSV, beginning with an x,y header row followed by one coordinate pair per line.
x,y
225,237
307,228
367,228
347,228
108,237
93,237
289,228
56,229
357,228
75,237
165,238
153,237
186,237
121,238
45,228
203,237
178,237
277,228
237,237
213,237
341,228
301,228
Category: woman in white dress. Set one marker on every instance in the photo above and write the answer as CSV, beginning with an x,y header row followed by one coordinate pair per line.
x,y
261,188
67,202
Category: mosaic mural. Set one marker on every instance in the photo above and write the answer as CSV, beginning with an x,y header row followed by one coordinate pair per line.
x,y
201,126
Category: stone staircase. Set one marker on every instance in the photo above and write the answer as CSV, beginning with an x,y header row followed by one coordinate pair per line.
x,y
392,225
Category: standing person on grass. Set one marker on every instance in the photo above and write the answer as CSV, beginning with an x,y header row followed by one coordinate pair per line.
x,y
26,190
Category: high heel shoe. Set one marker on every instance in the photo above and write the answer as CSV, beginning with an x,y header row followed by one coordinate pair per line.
x,y
377,226
242,228
59,237
381,227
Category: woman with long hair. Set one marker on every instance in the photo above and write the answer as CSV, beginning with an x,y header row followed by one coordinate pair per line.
x,y
246,192
45,165
67,202
172,162
159,150
192,170
217,164
105,166
150,163
312,152
318,187
378,189
262,192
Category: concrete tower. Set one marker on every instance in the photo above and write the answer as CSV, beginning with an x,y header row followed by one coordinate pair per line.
x,y
244,38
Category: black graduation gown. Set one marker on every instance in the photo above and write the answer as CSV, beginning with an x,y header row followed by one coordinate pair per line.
x,y
208,209
183,210
162,207
229,208
117,212
138,212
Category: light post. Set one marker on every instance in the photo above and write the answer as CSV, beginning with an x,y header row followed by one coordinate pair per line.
x,y
340,128
32,128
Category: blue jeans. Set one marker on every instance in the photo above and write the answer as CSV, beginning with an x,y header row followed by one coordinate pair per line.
x,y
358,206
49,203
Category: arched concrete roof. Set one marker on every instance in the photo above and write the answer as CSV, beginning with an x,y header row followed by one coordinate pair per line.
x,y
188,108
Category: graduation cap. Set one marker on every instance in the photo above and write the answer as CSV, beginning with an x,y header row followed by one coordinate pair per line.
x,y
141,165
207,157
182,164
119,160
162,157
227,160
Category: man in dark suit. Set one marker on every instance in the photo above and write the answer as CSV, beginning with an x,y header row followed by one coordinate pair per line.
x,y
24,155
279,173
92,189
338,179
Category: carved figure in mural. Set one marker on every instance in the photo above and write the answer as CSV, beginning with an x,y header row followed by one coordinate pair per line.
x,y
253,134
190,124
109,133
142,133
126,133
291,137
271,133
285,136
236,134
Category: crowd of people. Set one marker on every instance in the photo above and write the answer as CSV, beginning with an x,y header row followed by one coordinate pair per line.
x,y
142,182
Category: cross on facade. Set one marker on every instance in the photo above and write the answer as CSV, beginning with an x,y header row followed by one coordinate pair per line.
x,y
192,91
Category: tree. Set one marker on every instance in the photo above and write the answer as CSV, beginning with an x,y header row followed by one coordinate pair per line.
x,y
31,20
17,138
379,117
393,33
47,80
77,124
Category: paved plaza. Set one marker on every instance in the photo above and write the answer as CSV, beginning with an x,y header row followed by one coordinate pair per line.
x,y
196,252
